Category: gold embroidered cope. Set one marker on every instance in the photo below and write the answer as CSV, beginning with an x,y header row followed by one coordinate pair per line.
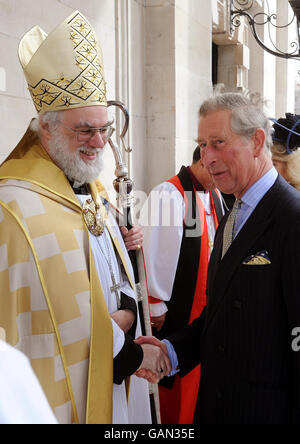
x,y
51,303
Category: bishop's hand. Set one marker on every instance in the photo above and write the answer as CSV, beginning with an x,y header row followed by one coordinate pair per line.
x,y
133,238
124,318
156,363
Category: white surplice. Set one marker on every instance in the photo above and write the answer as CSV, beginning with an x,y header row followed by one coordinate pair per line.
x,y
163,237
137,411
22,400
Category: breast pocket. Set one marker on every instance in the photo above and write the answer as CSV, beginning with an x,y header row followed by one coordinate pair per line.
x,y
256,285
255,277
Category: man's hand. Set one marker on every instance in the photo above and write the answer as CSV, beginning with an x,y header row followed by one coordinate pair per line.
x,y
158,321
124,318
156,363
133,238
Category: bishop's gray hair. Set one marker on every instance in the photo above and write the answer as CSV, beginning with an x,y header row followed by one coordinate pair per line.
x,y
247,114
50,117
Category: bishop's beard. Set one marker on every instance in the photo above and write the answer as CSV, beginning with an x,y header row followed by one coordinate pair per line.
x,y
71,164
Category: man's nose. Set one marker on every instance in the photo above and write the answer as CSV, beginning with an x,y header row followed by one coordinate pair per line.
x,y
97,141
208,155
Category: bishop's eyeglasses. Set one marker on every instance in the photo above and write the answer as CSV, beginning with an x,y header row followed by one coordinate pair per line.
x,y
84,135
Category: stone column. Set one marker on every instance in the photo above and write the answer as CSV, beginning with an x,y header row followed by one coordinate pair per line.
x,y
287,72
262,72
160,78
193,72
178,78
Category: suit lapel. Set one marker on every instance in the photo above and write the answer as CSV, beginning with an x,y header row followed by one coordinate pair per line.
x,y
217,204
220,272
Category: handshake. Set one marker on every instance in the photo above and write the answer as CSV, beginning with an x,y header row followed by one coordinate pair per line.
x,y
156,363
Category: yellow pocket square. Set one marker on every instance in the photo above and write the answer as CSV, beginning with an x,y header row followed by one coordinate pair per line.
x,y
261,258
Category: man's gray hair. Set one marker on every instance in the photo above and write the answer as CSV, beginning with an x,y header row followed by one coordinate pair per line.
x,y
50,117
247,114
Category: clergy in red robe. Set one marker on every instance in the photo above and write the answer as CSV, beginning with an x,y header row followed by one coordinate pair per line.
x,y
179,220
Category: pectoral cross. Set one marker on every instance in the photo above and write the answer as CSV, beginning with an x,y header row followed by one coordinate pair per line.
x,y
114,289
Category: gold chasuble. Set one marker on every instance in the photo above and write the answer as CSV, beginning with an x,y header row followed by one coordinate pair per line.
x,y
51,303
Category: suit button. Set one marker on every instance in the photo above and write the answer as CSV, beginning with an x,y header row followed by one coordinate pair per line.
x,y
237,304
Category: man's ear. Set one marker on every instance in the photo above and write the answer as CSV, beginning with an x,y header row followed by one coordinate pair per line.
x,y
45,131
259,138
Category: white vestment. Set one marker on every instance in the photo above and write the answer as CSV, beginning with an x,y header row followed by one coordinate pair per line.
x,y
22,400
137,411
163,230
